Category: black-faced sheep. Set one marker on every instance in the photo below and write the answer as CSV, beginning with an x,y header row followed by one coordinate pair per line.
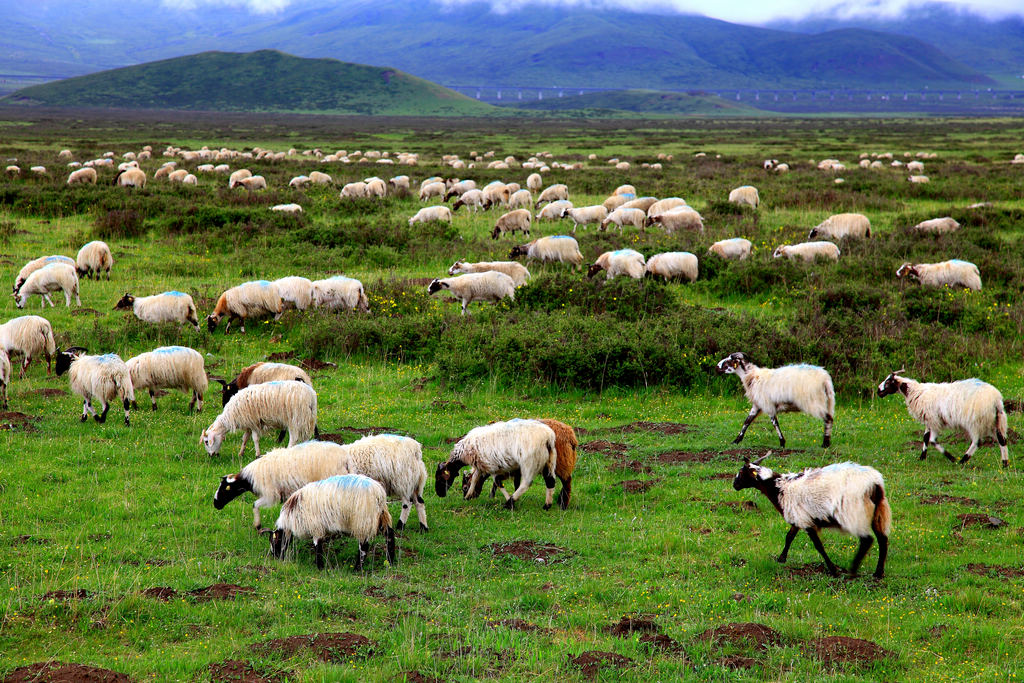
x,y
105,378
952,273
282,405
168,307
514,270
170,367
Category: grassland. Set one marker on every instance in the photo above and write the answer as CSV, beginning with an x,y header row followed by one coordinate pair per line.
x,y
654,531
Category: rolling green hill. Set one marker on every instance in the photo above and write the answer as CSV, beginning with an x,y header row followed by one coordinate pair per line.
x,y
266,80
644,102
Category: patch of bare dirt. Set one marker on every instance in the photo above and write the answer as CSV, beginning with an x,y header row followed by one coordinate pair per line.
x,y
995,570
328,647
745,633
417,677
622,464
1012,437
803,571
316,364
151,562
1013,405
220,591
164,593
531,551
980,520
86,311
378,593
419,281
48,393
281,355
629,625
736,662
637,486
666,428
685,457
719,476
942,499
604,446
76,594
518,625
592,661
737,505
12,419
235,671
838,650
60,672
25,539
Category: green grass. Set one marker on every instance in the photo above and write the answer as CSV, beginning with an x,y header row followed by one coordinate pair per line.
x,y
675,554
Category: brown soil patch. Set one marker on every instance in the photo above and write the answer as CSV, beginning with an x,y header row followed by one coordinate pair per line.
x,y
736,505
59,672
637,486
838,650
719,476
86,311
518,625
684,457
151,562
531,551
281,355
979,519
328,647
747,633
234,671
590,662
220,591
164,593
417,677
758,451
48,393
604,446
25,539
803,571
442,404
995,570
316,364
10,420
942,499
77,594
666,428
736,662
621,464
629,625
378,593
659,641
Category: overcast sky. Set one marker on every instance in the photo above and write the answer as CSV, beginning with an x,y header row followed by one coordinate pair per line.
x,y
741,11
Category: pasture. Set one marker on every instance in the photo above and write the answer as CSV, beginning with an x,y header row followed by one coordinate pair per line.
x,y
114,557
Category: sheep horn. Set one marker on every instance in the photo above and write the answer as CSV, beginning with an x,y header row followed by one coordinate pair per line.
x,y
900,371
221,380
758,461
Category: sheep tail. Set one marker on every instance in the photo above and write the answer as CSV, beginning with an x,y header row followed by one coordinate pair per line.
x,y
881,522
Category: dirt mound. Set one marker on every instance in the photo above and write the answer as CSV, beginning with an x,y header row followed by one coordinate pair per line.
x,y
666,428
622,464
25,539
518,625
281,355
1013,405
316,364
59,672
979,519
417,677
685,457
328,647
86,311
604,446
48,393
736,662
838,650
77,594
164,593
659,641
803,571
628,625
719,476
590,662
994,570
220,591
10,420
378,593
637,486
234,671
744,633
736,505
531,551
942,499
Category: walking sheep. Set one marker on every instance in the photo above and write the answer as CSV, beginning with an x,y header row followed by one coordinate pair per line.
x,y
133,178
82,176
585,215
93,258
170,367
168,307
672,264
555,211
29,335
103,377
283,405
555,248
808,251
261,373
847,497
247,300
735,249
397,463
514,270
347,504
842,226
952,273
621,217
340,293
680,218
791,388
552,193
621,262
519,219
969,404
51,278
490,286
938,226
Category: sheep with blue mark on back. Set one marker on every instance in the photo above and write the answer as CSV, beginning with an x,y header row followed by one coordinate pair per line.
x,y
745,195
53,277
170,367
261,373
560,248
247,300
105,378
281,405
673,264
552,193
620,262
35,264
167,307
622,216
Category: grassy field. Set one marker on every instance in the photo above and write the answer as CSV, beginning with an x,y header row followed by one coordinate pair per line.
x,y
94,517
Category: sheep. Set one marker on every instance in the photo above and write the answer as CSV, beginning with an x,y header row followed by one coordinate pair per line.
x,y
50,278
560,248
318,178
842,226
354,190
284,405
287,208
620,217
555,210
915,167
400,184
375,187
28,335
673,264
680,218
345,504
642,203
534,182
615,201
954,273
253,183
460,188
103,377
434,189
846,496
296,292
503,448
624,189
167,307
82,176
490,285
584,215
552,193
237,177
92,258
340,293
745,195
938,226
299,181
664,205
791,388
177,176
969,404
190,179
496,194
247,300
133,177
520,199
38,170
514,270
261,373
471,199
397,463
620,262
170,367
36,264
5,375
432,213
919,179
736,248
808,251
519,219
781,168
12,170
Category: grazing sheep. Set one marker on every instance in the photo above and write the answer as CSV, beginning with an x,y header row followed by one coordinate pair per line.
x,y
621,216
969,404
170,367
92,258
642,203
514,270
354,190
103,377
247,300
460,188
29,335
919,179
519,219
400,185
38,170
299,181
283,405
847,497
471,199
133,177
375,187
396,462
190,179
842,226
82,176
584,215
807,251
791,388
614,202
534,182
496,194
526,446
432,213
555,210
340,293
952,273
680,218
287,208
735,249
36,264
348,504
168,307
673,264
520,199
261,373
296,292
253,183
938,226
552,193
557,248
177,176
490,286
12,170
434,189
318,178
237,177
663,206
624,189
745,195
915,167
620,262
51,278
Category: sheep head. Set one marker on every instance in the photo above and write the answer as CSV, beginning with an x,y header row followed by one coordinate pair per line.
x,y
231,487
211,440
279,542
436,286
457,267
211,322
733,362
891,384
445,475
125,302
907,269
780,251
751,474
66,357
594,270
520,250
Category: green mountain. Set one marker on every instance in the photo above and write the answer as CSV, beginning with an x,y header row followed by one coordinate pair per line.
x,y
266,80
643,102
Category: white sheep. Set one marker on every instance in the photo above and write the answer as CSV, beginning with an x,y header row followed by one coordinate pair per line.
x,y
133,177
556,248
432,213
93,258
396,462
318,178
237,177
170,367
354,190
490,286
970,404
615,201
673,264
846,496
520,199
620,262
253,183
299,181
736,248
842,226
555,210
514,270
621,216
678,219
82,176
167,307
433,189
348,504
51,278
807,251
36,264
261,373
296,292
376,187
284,405
664,205
460,188
177,176
247,300
625,189
791,388
471,199
642,203
552,193
5,375
28,335
287,208
190,179
340,293
534,182
399,184
502,448
105,378
496,194
585,215
745,195
938,226
953,273
919,179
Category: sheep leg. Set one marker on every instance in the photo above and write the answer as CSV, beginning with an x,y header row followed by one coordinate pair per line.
x,y
24,364
516,478
152,399
499,483
883,550
421,513
862,550
256,442
245,437
318,548
940,449
67,299
389,546
563,495
197,400
125,402
816,541
262,502
102,417
47,300
1004,452
924,444
404,516
970,451
751,416
476,481
87,410
364,548
527,479
549,483
5,396
827,440
790,535
465,303
778,430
